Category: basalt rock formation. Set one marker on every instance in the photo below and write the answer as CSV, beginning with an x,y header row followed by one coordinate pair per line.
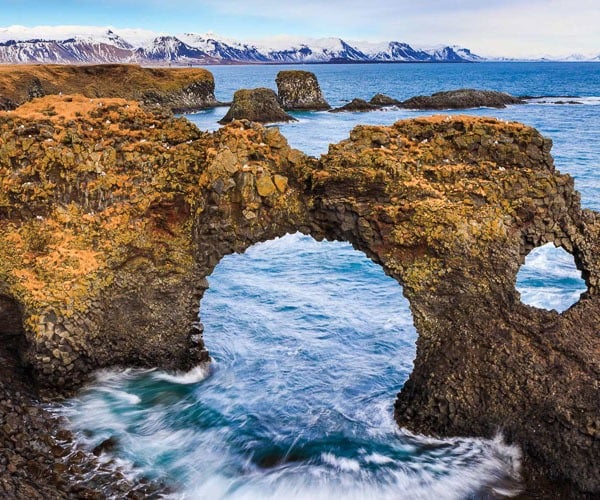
x,y
112,217
462,99
256,105
300,91
355,105
384,100
180,89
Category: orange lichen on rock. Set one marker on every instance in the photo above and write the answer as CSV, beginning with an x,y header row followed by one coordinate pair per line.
x,y
112,216
63,108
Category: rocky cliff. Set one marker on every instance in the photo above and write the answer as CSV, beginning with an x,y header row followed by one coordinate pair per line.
x,y
181,89
111,218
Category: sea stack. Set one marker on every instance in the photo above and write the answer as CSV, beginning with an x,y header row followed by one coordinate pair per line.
x,y
257,105
300,91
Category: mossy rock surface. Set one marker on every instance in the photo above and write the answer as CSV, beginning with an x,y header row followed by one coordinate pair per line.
x,y
300,91
112,216
256,105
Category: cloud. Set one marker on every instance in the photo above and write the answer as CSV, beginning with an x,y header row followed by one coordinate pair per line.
x,y
495,27
506,27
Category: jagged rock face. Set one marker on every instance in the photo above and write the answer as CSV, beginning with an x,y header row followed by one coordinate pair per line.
x,y
383,100
355,105
300,91
180,89
462,99
112,218
257,105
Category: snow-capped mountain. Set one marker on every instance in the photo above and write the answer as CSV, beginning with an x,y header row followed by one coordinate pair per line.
x,y
92,44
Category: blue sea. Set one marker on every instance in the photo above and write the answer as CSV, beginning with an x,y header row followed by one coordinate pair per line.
x,y
310,340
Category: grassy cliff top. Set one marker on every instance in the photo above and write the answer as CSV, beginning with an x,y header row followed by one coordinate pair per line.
x,y
19,82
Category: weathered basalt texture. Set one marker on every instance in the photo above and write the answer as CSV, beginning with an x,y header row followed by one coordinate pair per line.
x,y
178,89
355,105
300,91
112,217
256,105
462,99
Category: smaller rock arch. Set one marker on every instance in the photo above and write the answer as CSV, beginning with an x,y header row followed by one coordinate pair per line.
x,y
549,279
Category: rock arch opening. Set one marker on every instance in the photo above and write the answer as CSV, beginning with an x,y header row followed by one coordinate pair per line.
x,y
550,279
313,335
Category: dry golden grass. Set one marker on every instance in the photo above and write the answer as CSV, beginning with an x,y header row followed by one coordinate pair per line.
x,y
57,108
107,80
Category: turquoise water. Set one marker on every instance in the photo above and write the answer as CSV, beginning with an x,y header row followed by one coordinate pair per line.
x,y
311,341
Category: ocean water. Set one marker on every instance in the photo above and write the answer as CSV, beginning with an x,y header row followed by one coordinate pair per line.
x,y
311,341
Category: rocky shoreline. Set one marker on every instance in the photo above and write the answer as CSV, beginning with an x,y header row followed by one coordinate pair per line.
x,y
39,458
112,215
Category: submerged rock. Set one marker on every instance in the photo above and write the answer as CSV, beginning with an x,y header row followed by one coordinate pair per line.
x,y
113,217
355,105
384,100
462,99
257,105
300,91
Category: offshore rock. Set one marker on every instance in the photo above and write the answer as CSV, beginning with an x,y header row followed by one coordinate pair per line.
x,y
256,105
111,218
384,100
355,105
179,89
462,99
300,91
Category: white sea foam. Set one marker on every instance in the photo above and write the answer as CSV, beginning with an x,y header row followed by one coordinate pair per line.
x,y
195,375
566,100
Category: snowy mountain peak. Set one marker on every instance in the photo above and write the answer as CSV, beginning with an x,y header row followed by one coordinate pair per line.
x,y
95,44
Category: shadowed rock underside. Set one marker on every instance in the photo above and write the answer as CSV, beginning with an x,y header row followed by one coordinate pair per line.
x,y
111,218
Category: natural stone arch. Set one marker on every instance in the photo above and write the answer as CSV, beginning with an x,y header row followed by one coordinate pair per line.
x,y
561,294
138,214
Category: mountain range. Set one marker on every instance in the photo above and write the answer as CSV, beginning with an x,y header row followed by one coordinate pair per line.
x,y
81,44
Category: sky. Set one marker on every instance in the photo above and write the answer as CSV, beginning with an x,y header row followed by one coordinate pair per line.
x,y
511,28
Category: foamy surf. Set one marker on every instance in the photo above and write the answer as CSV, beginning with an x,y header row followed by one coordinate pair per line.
x,y
195,375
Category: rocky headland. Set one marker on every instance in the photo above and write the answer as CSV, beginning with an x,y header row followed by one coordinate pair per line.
x,y
112,216
178,89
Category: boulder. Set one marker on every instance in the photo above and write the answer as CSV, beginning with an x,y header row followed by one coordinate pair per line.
x,y
355,105
300,91
256,105
462,99
384,100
